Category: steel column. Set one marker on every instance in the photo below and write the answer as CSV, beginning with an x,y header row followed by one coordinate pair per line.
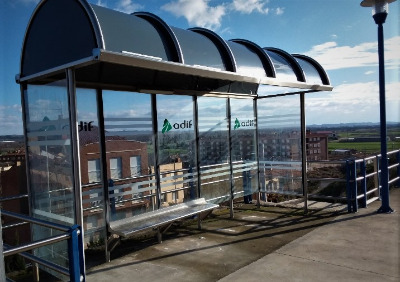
x,y
303,151
76,168
385,208
228,115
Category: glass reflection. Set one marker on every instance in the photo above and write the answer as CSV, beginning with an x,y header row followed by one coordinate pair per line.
x,y
49,162
176,149
129,143
213,149
279,137
243,140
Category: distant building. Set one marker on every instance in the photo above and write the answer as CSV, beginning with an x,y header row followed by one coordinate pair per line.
x,y
13,183
317,145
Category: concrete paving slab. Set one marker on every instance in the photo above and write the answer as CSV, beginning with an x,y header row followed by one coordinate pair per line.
x,y
363,246
266,244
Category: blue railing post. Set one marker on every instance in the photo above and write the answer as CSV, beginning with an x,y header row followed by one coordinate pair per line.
x,y
75,254
398,167
364,182
349,188
378,162
354,188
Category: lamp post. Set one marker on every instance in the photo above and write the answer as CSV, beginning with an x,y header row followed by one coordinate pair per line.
x,y
379,13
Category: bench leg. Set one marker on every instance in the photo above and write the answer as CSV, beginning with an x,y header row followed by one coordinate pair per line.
x,y
159,235
199,221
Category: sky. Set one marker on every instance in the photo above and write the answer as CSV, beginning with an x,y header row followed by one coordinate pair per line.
x,y
340,34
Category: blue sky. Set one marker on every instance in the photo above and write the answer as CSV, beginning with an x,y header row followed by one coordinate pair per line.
x,y
339,34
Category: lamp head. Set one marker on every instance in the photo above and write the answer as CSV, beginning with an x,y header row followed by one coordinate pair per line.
x,y
380,9
378,6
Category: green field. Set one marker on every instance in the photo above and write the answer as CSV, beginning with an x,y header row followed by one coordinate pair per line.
x,y
369,147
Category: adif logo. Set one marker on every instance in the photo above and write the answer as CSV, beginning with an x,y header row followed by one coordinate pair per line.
x,y
239,124
167,125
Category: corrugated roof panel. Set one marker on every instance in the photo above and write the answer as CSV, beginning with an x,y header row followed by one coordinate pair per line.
x,y
312,75
247,61
124,32
198,50
282,68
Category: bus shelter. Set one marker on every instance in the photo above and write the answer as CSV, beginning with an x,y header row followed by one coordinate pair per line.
x,y
124,114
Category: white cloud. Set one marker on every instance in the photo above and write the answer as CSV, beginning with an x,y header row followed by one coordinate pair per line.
x,y
249,6
197,12
127,6
101,3
356,102
279,11
331,56
201,13
369,72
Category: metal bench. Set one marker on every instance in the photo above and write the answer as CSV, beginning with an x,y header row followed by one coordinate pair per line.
x,y
163,217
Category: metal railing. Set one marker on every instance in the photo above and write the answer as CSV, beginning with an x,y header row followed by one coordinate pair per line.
x,y
359,193
359,183
73,234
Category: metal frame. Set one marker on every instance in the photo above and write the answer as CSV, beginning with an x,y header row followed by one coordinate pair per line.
x,y
76,169
73,234
303,151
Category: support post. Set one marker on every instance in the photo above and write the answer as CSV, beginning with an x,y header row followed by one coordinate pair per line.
x,y
303,152
75,255
385,207
398,167
228,114
2,268
364,182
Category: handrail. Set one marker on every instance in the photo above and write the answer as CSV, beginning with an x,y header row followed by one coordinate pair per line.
x,y
36,221
16,197
73,234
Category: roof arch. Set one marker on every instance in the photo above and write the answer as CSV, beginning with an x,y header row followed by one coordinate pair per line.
x,y
226,52
164,30
141,52
264,58
284,63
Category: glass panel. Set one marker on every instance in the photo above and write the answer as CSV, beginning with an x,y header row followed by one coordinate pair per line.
x,y
176,141
282,68
92,188
243,138
129,134
247,61
213,152
312,75
50,163
279,138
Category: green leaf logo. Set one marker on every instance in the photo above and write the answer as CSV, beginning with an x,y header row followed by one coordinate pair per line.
x,y
237,124
166,126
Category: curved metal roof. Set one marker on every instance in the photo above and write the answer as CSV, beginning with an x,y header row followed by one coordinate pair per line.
x,y
141,51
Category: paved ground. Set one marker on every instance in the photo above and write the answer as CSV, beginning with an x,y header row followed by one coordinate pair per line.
x,y
267,244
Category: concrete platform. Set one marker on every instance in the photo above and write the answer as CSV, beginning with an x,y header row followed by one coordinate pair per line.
x,y
267,244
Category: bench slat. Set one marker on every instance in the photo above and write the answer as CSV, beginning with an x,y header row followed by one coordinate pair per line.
x,y
127,227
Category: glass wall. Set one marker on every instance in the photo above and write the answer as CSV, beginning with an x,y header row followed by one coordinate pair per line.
x,y
243,140
176,149
90,162
129,154
279,137
213,152
50,163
